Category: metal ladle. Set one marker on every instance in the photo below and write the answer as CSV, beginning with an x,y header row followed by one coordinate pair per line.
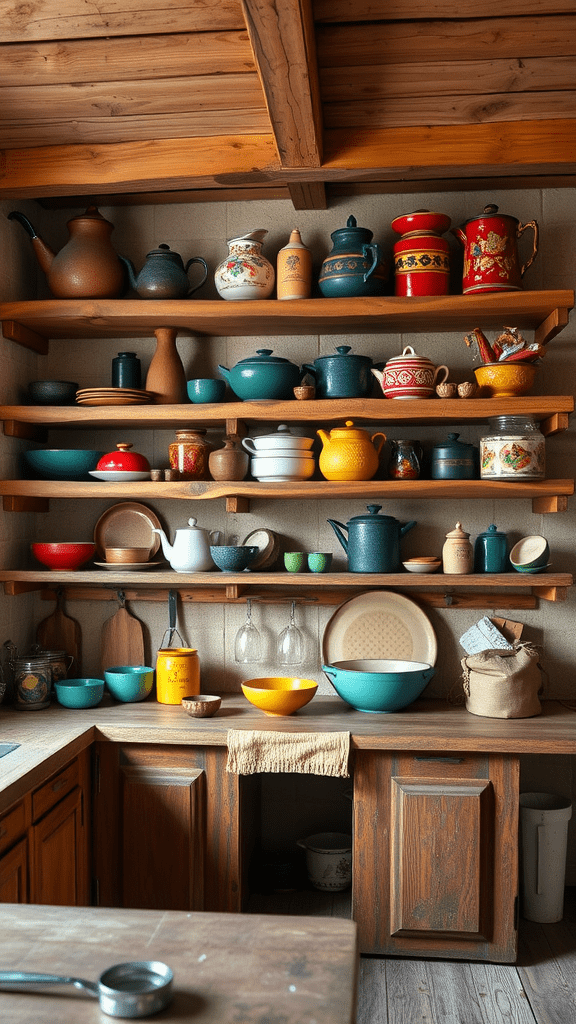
x,y
135,989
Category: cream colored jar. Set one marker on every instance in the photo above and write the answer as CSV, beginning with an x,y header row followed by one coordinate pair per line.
x,y
457,553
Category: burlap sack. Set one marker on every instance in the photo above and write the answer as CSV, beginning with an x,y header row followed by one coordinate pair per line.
x,y
502,683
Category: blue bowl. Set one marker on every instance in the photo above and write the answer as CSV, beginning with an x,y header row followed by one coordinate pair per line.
x,y
62,463
129,683
379,686
79,693
229,558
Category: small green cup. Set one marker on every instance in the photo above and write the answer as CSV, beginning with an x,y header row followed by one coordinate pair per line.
x,y
295,561
320,561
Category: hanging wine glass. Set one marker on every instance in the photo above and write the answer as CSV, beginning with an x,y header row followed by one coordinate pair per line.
x,y
248,646
291,642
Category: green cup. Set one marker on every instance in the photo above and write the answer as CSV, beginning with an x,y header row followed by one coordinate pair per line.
x,y
320,561
295,561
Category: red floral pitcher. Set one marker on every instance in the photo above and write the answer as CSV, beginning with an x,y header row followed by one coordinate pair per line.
x,y
491,262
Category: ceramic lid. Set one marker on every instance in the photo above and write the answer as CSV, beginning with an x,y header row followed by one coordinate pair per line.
x,y
124,460
491,210
349,430
409,355
492,531
421,220
451,445
372,516
458,532
263,356
343,352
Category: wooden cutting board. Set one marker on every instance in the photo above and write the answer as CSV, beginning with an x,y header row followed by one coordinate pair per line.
x,y
122,640
60,632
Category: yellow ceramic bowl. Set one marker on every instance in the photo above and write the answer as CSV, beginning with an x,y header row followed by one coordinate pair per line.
x,y
505,380
276,695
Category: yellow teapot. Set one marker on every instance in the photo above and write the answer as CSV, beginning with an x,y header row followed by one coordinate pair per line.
x,y
349,453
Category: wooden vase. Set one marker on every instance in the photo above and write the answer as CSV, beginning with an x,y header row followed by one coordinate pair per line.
x,y
166,377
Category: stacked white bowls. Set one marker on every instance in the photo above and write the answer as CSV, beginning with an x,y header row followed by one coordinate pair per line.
x,y
281,455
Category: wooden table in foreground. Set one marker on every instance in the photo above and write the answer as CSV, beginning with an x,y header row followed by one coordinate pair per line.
x,y
227,967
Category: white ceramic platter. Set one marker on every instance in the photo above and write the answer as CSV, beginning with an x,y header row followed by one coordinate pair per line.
x,y
127,525
379,625
118,475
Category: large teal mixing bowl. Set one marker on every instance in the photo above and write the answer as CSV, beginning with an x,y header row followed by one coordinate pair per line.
x,y
379,686
62,463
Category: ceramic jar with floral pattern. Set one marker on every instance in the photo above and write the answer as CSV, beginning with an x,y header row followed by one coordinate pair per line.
x,y
245,273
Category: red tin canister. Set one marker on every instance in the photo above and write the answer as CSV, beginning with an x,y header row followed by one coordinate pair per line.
x,y
421,256
491,261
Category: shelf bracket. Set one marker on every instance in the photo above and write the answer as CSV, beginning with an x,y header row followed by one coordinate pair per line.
x,y
24,336
555,322
13,588
16,503
554,424
550,503
237,503
551,593
27,431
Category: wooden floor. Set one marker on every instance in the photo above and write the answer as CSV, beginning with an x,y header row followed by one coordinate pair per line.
x,y
539,989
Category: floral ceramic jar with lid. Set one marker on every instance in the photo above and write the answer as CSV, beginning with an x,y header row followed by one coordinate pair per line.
x,y
189,454
513,449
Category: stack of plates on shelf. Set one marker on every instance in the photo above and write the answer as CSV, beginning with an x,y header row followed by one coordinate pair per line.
x,y
128,524
114,396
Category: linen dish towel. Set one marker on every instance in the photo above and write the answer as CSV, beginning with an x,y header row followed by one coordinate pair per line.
x,y
252,751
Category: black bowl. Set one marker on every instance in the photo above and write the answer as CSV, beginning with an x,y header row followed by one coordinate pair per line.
x,y
53,392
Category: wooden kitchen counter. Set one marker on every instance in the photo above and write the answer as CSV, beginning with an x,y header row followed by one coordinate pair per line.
x,y
51,737
227,967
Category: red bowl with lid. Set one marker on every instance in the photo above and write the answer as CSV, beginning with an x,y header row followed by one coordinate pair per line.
x,y
123,460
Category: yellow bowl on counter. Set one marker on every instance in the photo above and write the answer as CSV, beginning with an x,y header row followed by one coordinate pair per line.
x,y
278,695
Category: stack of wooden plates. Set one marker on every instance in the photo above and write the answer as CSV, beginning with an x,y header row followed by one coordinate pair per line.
x,y
114,396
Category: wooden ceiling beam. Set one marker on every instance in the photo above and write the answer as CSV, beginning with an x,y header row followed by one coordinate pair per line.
x,y
282,37
504,150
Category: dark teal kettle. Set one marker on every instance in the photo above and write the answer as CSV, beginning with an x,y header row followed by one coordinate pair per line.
x,y
373,541
356,265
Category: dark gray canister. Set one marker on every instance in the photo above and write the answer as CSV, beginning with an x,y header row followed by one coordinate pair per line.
x,y
343,375
454,460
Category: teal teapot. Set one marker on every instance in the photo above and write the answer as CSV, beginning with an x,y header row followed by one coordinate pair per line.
x,y
356,265
373,541
164,275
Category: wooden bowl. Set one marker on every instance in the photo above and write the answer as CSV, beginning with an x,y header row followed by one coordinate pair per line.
x,y
203,705
125,556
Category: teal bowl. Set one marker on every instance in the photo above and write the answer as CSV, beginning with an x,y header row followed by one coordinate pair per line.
x,y
79,693
62,463
129,683
379,686
531,554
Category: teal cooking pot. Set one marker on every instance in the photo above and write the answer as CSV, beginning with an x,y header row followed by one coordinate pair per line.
x,y
373,541
262,376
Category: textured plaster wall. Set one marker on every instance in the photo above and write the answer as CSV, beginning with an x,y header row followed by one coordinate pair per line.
x,y
202,230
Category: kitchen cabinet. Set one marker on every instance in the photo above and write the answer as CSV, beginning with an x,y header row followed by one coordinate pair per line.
x,y
167,829
46,839
32,324
437,834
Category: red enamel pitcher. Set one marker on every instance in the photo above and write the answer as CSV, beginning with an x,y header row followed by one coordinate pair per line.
x,y
491,261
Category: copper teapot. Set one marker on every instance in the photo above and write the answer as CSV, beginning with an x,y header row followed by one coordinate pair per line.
x,y
87,267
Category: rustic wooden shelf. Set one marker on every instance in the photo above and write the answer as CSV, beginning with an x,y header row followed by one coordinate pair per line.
x,y
32,324
551,411
546,495
317,588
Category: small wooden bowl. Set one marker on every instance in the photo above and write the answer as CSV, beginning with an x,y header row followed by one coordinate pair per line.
x,y
202,705
124,556
305,392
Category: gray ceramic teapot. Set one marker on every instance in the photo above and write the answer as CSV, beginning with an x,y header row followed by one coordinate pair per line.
x,y
373,541
164,275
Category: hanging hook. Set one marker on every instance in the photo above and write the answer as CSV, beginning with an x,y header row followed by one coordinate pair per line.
x,y
121,597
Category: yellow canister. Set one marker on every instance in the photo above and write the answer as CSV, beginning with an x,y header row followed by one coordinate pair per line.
x,y
177,674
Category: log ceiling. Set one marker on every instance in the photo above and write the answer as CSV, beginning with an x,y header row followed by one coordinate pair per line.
x,y
199,100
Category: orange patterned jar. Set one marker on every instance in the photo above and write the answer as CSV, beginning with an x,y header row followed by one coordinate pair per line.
x,y
189,454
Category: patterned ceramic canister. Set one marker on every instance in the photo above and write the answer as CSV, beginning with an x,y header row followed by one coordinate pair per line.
x,y
32,683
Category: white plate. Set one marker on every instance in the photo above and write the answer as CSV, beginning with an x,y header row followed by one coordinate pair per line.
x,y
128,566
379,625
118,475
127,525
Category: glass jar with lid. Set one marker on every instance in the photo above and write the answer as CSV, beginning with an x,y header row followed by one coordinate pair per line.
x,y
512,449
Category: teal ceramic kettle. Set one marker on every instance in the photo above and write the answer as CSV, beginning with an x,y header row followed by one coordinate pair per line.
x,y
373,541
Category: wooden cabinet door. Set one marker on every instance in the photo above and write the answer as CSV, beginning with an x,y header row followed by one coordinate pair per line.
x,y
435,854
14,874
59,855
